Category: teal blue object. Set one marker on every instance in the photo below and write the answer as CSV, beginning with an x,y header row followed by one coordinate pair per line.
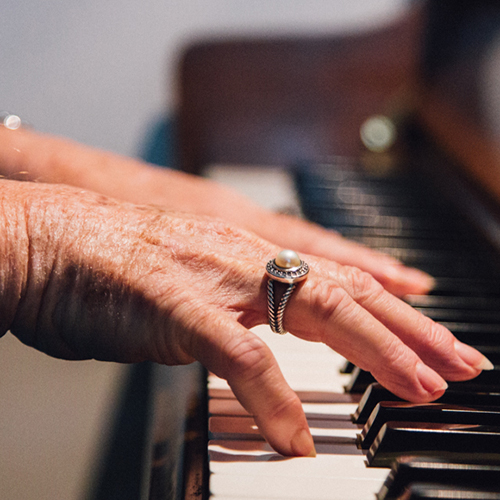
x,y
160,143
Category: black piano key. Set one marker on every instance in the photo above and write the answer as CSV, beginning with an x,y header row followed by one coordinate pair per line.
x,y
359,381
411,218
492,352
431,491
462,315
386,207
468,246
457,394
475,333
487,378
388,225
328,206
469,387
456,442
465,286
399,223
409,469
348,367
382,193
443,260
438,265
477,302
351,192
388,411
457,270
374,394
362,190
355,232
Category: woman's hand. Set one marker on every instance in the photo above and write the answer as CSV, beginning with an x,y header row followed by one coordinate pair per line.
x,y
91,277
27,155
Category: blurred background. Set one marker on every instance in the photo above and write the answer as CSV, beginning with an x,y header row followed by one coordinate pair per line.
x,y
104,73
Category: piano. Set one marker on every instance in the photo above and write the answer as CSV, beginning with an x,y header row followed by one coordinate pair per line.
x,y
430,196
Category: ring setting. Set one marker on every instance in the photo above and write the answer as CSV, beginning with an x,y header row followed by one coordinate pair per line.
x,y
286,268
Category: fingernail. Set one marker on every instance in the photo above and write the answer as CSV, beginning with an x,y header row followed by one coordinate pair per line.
x,y
472,357
430,380
411,276
416,276
302,444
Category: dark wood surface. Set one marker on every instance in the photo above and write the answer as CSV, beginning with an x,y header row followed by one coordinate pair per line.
x,y
273,101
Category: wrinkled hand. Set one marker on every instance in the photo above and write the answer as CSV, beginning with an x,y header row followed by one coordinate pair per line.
x,y
28,155
97,278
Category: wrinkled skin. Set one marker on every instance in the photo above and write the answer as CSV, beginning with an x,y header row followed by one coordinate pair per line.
x,y
91,277
27,155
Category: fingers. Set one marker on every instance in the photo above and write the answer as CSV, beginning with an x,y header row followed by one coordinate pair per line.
x,y
406,352
235,354
29,155
433,342
348,328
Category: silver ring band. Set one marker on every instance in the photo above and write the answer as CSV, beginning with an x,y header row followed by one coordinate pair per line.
x,y
285,268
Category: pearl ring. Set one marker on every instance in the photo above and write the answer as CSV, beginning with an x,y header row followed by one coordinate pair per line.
x,y
285,268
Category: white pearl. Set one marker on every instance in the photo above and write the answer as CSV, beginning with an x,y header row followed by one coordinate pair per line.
x,y
287,259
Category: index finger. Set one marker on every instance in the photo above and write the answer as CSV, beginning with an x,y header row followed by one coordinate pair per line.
x,y
405,351
237,355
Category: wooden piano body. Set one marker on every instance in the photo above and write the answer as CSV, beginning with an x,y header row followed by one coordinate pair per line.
x,y
434,73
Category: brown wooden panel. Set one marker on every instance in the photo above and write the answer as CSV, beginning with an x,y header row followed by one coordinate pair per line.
x,y
272,101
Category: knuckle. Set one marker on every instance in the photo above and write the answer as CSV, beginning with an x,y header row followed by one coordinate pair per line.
x,y
361,285
328,298
395,353
434,337
395,356
289,404
247,357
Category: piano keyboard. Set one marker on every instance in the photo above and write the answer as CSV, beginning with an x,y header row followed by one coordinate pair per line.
x,y
402,216
242,465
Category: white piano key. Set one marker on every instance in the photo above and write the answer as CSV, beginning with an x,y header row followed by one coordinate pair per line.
x,y
336,409
233,407
323,430
252,470
304,488
283,344
271,187
306,366
339,470
312,397
300,379
232,456
215,382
